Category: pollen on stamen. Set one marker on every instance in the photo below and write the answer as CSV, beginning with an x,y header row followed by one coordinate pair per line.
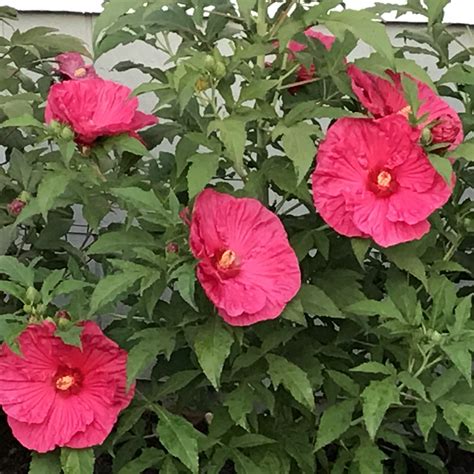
x,y
384,178
65,382
80,72
227,259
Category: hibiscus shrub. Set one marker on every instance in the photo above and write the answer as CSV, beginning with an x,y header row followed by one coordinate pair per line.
x,y
276,270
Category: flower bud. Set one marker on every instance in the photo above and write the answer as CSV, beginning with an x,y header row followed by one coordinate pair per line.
x,y
55,127
67,134
32,295
209,62
220,70
27,308
39,309
426,136
172,247
63,314
16,206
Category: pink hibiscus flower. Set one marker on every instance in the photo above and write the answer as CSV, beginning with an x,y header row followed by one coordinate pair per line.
x,y
246,265
372,179
59,395
327,40
382,97
72,66
96,108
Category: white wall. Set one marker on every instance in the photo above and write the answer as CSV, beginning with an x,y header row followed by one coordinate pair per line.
x,y
458,11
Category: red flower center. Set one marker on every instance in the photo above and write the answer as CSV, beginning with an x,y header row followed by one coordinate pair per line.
x,y
382,183
68,380
80,72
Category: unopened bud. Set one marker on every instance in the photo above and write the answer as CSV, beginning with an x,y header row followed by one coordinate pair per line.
x,y
55,126
67,134
63,314
209,62
172,247
220,70
426,136
16,206
32,295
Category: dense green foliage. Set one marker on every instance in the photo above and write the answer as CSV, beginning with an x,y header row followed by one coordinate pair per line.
x,y
369,368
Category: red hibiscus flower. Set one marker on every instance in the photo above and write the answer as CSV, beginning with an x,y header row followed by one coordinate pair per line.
x,y
382,97
71,66
372,179
327,40
59,395
96,108
246,265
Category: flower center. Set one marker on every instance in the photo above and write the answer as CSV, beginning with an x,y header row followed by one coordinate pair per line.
x,y
80,72
67,380
227,259
384,179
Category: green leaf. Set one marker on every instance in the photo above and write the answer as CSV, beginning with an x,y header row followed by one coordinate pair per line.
x,y
176,382
443,166
362,25
435,10
444,383
360,248
49,283
460,356
317,302
243,464
300,147
8,234
335,421
245,8
369,458
385,308
294,379
111,287
125,143
458,74
119,241
234,136
404,257
185,284
462,315
149,457
257,89
17,271
153,341
294,312
179,438
345,382
77,461
212,347
203,168
457,413
413,383
22,121
425,417
240,403
70,335
377,398
250,440
113,10
50,188
373,368
169,467
48,463
464,150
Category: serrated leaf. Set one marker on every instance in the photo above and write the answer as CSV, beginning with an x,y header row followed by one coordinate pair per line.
x,y
22,121
49,283
212,347
404,257
47,463
443,166
385,308
179,438
464,150
70,335
335,421
345,382
243,464
425,417
377,398
234,136
300,147
185,283
77,461
360,247
250,440
462,315
203,168
457,413
293,378
240,402
111,287
148,458
317,302
413,383
460,356
369,458
118,241
373,368
444,383
17,271
50,188
257,89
